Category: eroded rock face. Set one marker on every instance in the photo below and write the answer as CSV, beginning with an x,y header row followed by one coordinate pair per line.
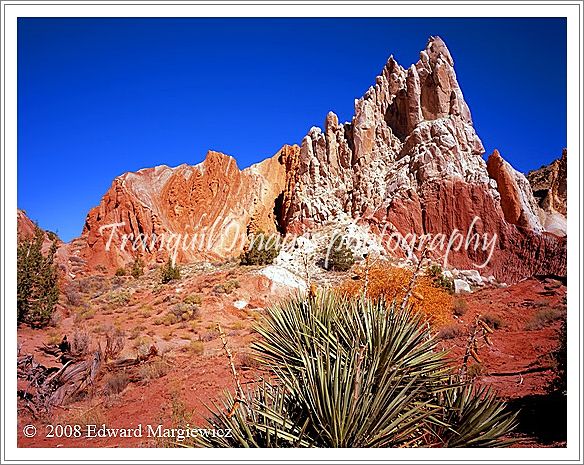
x,y
409,159
410,127
206,209
549,184
517,201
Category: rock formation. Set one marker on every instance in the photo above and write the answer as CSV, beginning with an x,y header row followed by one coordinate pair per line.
x,y
409,158
549,184
202,211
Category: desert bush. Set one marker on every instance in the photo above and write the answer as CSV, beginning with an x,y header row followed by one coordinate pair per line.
x,y
226,288
262,249
87,312
170,319
559,355
247,360
116,383
137,268
37,286
121,272
95,415
114,342
543,317
392,283
154,370
119,298
494,321
73,296
459,307
80,343
450,332
475,370
437,274
185,312
169,272
196,347
338,256
194,299
352,372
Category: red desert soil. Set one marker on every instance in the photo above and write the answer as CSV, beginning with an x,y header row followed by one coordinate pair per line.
x,y
518,364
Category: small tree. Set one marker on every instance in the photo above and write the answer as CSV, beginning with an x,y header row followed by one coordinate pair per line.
x,y
38,290
261,250
338,256
169,272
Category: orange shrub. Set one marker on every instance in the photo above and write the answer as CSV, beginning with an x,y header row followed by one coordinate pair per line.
x,y
392,283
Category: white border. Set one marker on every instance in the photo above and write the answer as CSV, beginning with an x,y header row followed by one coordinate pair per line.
x,y
299,9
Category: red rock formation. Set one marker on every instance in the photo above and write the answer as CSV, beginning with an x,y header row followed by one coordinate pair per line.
x,y
549,184
207,208
410,158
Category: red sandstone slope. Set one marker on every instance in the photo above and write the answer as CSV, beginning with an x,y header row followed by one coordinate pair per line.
x,y
208,207
410,157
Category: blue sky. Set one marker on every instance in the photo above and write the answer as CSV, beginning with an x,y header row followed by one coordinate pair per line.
x,y
99,97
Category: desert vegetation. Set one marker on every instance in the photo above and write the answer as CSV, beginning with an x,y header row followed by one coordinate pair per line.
x,y
392,283
262,249
338,256
37,280
356,372
169,272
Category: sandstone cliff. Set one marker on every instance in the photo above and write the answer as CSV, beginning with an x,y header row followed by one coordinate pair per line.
x,y
204,210
549,184
409,158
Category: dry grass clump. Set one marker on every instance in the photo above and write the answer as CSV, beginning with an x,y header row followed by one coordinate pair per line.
x,y
154,370
116,383
450,332
494,321
544,317
392,283
459,307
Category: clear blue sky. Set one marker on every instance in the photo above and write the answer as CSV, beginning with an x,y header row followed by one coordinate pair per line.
x,y
99,97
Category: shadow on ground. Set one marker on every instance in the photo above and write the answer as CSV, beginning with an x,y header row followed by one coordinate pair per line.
x,y
543,417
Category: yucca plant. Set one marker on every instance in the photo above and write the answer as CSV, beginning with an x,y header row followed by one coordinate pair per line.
x,y
351,372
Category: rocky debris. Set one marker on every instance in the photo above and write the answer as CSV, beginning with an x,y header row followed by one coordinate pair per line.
x,y
280,276
461,286
549,184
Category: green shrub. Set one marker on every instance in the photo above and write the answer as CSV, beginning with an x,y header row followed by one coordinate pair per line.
x,y
356,373
262,249
137,268
169,272
338,256
37,281
437,274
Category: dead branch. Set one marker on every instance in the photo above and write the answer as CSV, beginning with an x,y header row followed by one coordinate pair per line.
x,y
238,388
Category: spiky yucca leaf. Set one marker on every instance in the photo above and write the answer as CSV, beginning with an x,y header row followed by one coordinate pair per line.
x,y
269,416
476,418
356,373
